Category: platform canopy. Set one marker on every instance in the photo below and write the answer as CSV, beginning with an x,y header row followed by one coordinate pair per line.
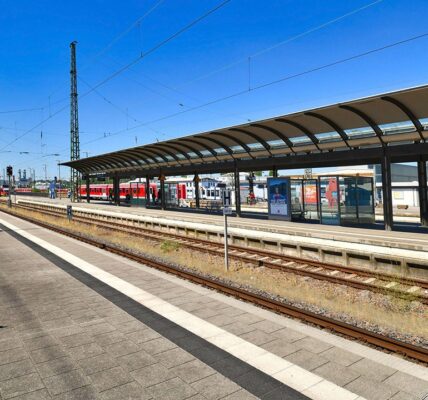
x,y
354,132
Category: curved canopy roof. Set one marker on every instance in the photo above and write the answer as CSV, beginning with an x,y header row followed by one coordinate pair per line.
x,y
377,121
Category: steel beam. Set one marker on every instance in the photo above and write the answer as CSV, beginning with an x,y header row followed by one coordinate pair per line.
x,y
237,141
257,138
366,119
237,192
387,192
423,192
332,125
194,141
147,191
412,117
197,194
88,189
277,133
162,190
116,189
302,129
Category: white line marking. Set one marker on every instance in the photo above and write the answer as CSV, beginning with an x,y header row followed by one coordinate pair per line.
x,y
298,378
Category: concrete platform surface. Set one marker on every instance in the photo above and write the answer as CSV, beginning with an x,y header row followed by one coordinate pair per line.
x,y
83,323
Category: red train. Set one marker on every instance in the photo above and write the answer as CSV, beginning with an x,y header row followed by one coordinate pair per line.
x,y
133,190
127,190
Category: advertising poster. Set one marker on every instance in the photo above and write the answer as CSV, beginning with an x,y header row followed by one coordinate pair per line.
x,y
279,198
310,194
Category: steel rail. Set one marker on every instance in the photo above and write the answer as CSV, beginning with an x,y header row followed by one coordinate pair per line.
x,y
385,342
216,248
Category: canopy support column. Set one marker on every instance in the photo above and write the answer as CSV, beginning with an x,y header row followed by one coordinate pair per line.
x,y
197,194
423,194
237,192
147,191
162,192
116,190
387,192
88,189
275,172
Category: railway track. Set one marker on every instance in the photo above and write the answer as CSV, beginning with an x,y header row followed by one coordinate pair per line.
x,y
407,288
387,343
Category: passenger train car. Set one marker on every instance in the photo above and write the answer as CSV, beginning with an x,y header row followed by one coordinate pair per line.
x,y
127,191
176,191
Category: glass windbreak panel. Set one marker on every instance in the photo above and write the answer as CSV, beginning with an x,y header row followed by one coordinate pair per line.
x,y
329,205
365,200
348,200
297,210
171,195
310,199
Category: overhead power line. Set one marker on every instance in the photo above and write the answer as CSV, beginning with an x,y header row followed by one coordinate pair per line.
x,y
250,57
159,45
274,82
124,68
124,33
21,110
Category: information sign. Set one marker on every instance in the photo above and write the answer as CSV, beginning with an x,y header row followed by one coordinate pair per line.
x,y
279,198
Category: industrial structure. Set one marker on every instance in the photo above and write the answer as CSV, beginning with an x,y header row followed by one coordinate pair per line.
x,y
74,124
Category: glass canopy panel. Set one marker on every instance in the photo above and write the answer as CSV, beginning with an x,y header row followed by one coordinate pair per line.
x,y
397,127
328,137
255,146
220,151
276,143
360,132
300,140
237,149
424,122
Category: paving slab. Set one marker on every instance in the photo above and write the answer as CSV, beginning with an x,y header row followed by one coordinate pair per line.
x,y
133,335
372,389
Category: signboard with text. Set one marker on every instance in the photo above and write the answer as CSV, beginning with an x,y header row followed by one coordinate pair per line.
x,y
279,198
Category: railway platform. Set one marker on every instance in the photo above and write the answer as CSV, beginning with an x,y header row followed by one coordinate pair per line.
x,y
401,252
81,323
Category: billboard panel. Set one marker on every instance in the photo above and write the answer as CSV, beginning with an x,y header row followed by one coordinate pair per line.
x,y
279,198
310,194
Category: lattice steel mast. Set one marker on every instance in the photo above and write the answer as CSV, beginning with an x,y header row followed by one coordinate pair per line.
x,y
74,125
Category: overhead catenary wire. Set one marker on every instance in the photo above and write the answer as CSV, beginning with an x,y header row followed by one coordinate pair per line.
x,y
274,82
125,67
136,23
281,43
159,45
21,110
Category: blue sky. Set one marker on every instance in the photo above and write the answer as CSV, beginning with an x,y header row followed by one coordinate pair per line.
x,y
34,67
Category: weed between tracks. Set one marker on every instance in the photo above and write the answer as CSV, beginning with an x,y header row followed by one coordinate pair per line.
x,y
404,319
